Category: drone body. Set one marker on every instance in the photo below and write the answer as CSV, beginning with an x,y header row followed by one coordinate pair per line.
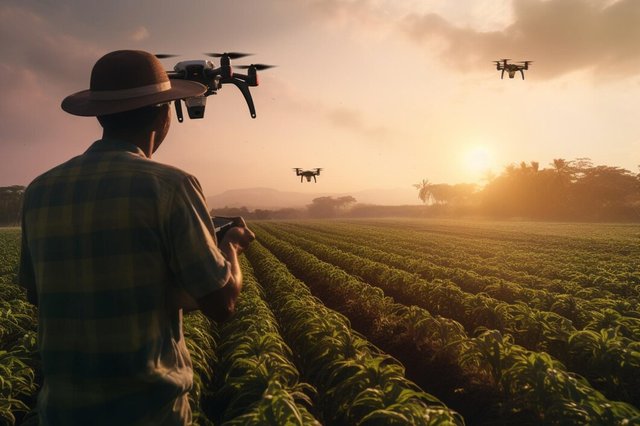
x,y
206,73
308,174
511,69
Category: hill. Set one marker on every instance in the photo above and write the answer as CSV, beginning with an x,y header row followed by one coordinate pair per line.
x,y
269,198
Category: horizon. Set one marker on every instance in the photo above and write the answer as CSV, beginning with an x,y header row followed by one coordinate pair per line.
x,y
379,94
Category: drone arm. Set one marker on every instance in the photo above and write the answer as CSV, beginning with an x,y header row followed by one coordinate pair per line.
x,y
251,79
244,88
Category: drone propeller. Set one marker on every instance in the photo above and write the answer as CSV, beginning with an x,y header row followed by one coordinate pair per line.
x,y
525,62
230,55
258,67
165,55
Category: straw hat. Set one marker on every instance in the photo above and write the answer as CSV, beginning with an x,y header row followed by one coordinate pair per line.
x,y
128,79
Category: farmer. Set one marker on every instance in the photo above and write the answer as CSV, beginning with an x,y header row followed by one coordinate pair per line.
x,y
114,247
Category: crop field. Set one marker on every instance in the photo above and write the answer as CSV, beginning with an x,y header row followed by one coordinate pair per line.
x,y
376,322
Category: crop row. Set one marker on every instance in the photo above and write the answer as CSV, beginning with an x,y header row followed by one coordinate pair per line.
x,y
356,383
441,262
256,381
531,263
524,383
597,241
608,359
594,315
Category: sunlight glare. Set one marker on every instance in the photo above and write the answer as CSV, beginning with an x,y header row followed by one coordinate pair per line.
x,y
478,160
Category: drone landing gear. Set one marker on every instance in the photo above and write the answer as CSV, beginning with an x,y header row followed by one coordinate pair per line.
x,y
178,105
244,88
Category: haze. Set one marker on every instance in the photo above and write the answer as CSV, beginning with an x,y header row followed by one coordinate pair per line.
x,y
379,93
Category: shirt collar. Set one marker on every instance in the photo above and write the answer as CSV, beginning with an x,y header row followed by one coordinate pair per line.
x,y
109,145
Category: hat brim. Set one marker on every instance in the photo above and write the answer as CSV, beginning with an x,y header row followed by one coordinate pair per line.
x,y
80,103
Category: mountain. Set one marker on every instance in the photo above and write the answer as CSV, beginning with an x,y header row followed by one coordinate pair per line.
x,y
272,199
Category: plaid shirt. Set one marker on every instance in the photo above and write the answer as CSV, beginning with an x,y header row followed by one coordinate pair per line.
x,y
106,237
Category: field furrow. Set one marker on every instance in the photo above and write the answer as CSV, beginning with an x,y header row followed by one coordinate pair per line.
x,y
490,355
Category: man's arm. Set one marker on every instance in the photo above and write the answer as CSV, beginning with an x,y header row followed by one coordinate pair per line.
x,y
220,304
207,275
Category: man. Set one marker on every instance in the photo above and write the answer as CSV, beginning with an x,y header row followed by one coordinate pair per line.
x,y
114,246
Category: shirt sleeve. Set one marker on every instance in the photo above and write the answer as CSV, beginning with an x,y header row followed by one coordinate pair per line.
x,y
195,260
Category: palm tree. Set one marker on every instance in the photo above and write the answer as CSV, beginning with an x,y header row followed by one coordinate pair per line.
x,y
424,190
563,170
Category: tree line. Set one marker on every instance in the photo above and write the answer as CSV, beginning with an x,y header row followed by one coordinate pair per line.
x,y
573,190
566,190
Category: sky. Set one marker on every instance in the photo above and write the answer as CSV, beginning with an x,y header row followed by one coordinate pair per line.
x,y
380,93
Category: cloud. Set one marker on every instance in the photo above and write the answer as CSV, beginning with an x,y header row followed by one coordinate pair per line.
x,y
363,13
342,117
372,17
353,120
30,42
139,34
562,36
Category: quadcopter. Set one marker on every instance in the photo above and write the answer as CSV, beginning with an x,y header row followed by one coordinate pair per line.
x,y
503,66
308,174
206,73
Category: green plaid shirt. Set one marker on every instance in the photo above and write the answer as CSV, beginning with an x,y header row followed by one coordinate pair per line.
x,y
106,237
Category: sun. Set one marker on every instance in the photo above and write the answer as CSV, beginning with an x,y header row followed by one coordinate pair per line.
x,y
478,159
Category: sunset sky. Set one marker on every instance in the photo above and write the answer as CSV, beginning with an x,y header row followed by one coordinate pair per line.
x,y
380,93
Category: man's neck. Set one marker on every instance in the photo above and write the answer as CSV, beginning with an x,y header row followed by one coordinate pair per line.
x,y
144,141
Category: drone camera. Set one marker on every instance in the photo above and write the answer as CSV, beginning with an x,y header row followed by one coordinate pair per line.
x,y
196,106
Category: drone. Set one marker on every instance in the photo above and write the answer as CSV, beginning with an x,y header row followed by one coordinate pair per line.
x,y
308,174
205,72
503,66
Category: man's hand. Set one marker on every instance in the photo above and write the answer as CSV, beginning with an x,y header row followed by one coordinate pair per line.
x,y
220,304
239,237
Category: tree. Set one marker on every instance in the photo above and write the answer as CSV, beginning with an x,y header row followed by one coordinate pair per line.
x,y
563,170
424,191
329,206
605,192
